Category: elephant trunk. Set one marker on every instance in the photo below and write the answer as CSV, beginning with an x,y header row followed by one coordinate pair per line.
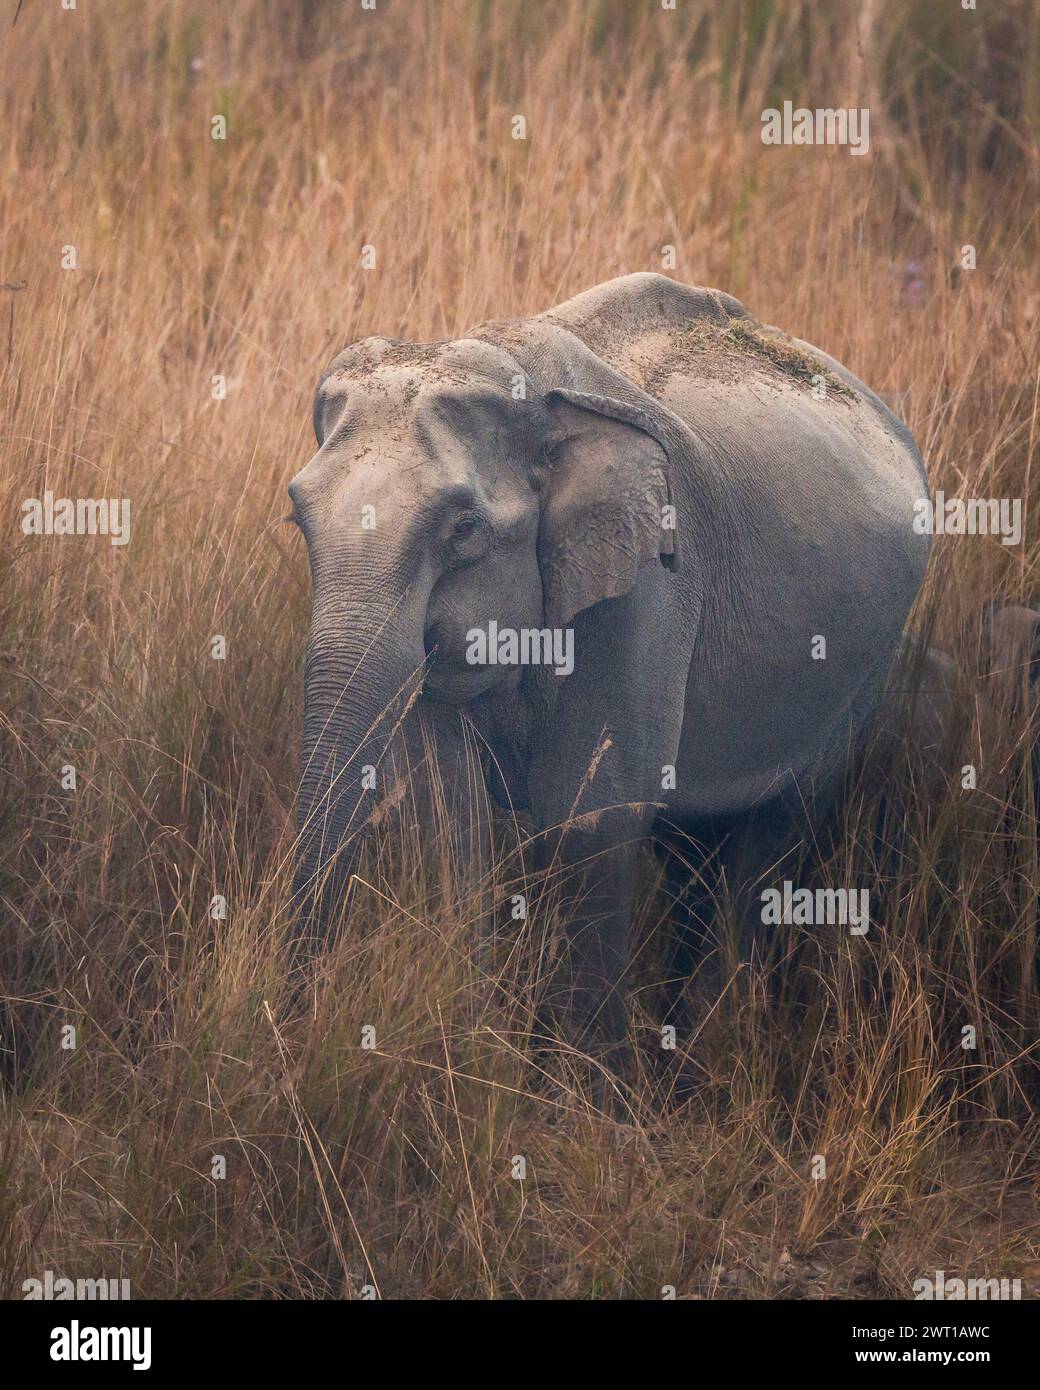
x,y
363,666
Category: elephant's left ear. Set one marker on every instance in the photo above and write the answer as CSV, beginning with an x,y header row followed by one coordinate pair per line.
x,y
608,502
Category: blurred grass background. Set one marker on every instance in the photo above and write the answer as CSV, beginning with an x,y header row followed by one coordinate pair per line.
x,y
242,258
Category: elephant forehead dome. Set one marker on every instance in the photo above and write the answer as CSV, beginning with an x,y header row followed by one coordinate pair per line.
x,y
427,395
390,365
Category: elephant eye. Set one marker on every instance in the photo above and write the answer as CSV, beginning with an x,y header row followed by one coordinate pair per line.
x,y
469,535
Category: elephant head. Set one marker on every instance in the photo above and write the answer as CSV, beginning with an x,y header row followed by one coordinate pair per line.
x,y
446,493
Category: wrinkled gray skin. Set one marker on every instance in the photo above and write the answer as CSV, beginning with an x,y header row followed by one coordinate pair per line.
x,y
693,645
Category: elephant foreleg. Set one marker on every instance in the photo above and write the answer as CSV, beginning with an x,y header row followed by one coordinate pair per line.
x,y
594,868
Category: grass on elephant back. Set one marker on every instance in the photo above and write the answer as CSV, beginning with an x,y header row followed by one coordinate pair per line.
x,y
395,1165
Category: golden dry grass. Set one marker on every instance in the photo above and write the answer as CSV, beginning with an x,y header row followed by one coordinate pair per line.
x,y
242,258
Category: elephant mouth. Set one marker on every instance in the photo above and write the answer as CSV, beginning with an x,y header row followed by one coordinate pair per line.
x,y
457,685
454,680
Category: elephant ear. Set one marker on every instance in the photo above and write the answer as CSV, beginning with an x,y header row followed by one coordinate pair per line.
x,y
330,397
604,514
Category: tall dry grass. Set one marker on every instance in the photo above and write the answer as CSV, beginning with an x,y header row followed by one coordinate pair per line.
x,y
393,1167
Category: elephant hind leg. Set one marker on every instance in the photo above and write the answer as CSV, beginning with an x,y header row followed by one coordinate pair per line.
x,y
770,845
1010,653
716,904
923,723
918,709
913,721
1010,649
917,716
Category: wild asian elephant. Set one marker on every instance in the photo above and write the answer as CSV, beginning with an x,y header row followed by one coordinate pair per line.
x,y
656,557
